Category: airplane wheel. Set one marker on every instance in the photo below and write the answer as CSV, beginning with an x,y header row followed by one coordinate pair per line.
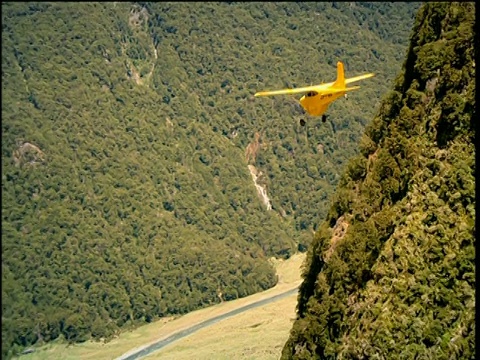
x,y
324,118
302,122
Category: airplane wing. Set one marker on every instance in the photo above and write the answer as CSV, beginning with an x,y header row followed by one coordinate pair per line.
x,y
358,78
317,88
322,88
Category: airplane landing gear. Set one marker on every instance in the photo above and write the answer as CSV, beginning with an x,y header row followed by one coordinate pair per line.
x,y
324,118
302,122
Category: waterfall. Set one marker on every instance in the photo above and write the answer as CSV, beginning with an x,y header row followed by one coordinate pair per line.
x,y
260,189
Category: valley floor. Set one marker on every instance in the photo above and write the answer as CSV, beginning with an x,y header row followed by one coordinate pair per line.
x,y
258,333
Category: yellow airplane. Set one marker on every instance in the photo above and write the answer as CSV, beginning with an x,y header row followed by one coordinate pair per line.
x,y
318,97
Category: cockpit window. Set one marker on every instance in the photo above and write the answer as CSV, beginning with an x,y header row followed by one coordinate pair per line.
x,y
311,93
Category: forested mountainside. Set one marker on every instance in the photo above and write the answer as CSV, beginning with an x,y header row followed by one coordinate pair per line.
x,y
130,138
390,273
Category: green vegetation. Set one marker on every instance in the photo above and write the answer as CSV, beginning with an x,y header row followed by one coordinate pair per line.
x,y
126,194
399,283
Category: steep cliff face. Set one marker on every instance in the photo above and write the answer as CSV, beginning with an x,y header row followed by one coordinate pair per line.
x,y
400,282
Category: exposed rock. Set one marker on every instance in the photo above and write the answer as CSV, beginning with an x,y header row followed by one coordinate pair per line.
x,y
28,153
252,149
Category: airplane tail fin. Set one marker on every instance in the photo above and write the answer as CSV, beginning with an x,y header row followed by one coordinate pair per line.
x,y
340,82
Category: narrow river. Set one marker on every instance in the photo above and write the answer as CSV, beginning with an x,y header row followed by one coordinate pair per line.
x,y
147,350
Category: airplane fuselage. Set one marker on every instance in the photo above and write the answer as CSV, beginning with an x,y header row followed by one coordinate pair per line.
x,y
316,104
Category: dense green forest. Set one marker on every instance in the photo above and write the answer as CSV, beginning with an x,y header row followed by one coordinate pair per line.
x,y
391,271
127,132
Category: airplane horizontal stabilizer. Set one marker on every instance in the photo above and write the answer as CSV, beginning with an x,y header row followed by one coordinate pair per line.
x,y
335,91
351,88
358,78
288,91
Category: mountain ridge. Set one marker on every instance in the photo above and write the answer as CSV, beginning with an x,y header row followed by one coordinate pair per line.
x,y
141,204
401,283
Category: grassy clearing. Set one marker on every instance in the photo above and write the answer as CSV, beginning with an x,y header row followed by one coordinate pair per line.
x,y
256,334
234,338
